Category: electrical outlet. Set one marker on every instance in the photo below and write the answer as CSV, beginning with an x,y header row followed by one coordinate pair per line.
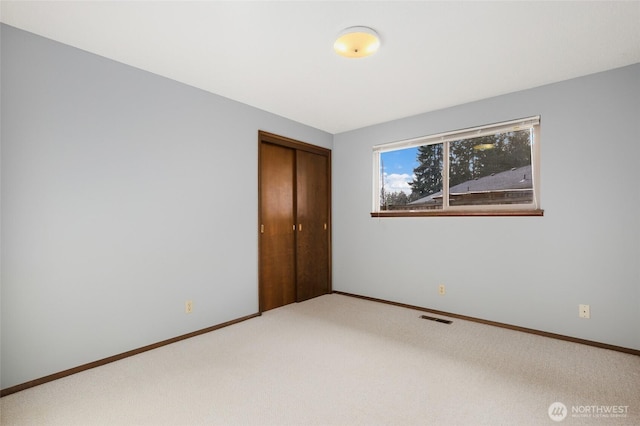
x,y
441,290
584,311
188,307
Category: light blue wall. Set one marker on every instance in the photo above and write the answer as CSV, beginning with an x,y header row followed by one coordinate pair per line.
x,y
525,271
124,194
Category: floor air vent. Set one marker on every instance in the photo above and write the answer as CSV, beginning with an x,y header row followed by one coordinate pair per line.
x,y
436,319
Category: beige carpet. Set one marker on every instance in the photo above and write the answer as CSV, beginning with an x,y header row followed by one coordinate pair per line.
x,y
337,360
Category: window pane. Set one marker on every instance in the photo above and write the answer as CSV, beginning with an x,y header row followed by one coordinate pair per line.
x,y
411,178
491,170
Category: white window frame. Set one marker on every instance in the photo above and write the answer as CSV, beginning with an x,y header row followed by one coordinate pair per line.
x,y
452,136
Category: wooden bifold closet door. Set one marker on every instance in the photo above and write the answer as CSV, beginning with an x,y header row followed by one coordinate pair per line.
x,y
294,214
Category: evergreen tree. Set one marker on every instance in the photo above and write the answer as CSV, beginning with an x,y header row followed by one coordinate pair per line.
x,y
428,174
396,199
383,198
518,148
469,159
512,149
464,160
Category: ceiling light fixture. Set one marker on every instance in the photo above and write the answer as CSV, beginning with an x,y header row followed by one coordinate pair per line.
x,y
357,42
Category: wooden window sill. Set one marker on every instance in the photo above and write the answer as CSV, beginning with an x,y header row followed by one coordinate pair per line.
x,y
428,213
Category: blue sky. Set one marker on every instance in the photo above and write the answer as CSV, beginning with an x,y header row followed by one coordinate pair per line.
x,y
398,169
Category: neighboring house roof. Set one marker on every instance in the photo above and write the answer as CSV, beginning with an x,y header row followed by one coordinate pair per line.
x,y
518,178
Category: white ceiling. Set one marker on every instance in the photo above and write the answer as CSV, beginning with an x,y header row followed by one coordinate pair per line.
x,y
278,56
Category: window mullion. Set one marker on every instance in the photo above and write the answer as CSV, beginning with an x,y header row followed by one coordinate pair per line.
x,y
445,175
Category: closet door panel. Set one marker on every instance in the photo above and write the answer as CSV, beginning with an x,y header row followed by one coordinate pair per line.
x,y
312,236
277,236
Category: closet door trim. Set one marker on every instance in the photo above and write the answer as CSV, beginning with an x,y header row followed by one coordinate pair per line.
x,y
292,143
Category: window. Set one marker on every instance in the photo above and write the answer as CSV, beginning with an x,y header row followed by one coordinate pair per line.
x,y
486,170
